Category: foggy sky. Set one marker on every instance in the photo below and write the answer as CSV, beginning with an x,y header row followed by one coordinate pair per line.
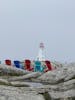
x,y
26,23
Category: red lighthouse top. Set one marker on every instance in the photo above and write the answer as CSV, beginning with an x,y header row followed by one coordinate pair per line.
x,y
42,45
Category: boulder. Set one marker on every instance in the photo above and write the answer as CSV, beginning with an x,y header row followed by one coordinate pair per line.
x,y
15,93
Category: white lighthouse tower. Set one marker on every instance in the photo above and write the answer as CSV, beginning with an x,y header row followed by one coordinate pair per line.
x,y
41,54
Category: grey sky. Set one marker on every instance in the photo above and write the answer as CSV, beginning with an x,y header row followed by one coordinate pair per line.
x,y
25,23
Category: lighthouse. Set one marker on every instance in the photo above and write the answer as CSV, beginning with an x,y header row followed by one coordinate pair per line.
x,y
41,53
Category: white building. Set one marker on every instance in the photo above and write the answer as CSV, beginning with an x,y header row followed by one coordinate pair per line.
x,y
41,53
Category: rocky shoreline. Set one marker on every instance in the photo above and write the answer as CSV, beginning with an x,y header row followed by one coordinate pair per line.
x,y
17,84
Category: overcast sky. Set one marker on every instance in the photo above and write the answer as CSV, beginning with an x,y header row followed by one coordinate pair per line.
x,y
25,23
